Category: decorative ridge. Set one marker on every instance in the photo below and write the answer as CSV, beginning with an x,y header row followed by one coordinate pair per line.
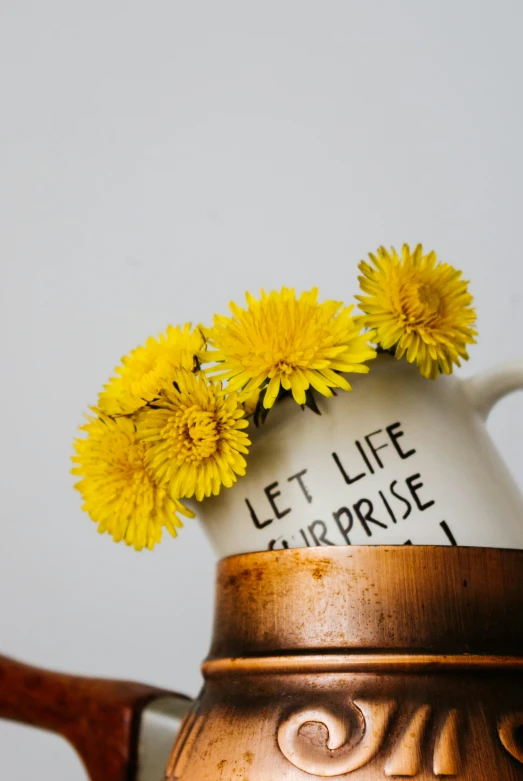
x,y
330,663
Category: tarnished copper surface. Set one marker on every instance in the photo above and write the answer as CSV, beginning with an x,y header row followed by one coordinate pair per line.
x,y
363,663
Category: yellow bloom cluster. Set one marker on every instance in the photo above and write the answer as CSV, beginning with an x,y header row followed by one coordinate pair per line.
x,y
162,431
195,437
165,429
417,307
149,369
119,488
282,341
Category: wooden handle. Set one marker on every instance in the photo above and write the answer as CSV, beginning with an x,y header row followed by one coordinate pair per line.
x,y
100,718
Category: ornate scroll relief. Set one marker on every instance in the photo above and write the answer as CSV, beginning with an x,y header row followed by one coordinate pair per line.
x,y
447,758
405,759
340,755
184,743
507,727
344,753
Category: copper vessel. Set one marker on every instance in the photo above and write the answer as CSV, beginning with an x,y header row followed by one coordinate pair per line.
x,y
332,662
361,662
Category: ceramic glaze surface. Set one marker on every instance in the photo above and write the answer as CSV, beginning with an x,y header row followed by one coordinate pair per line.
x,y
400,460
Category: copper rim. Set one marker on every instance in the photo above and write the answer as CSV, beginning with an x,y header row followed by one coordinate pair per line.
x,y
369,599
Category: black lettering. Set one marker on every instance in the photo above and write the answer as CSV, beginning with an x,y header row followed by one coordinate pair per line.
x,y
271,495
375,449
305,538
346,477
256,522
344,529
363,455
401,498
298,476
323,536
414,489
444,525
387,505
365,518
273,543
394,439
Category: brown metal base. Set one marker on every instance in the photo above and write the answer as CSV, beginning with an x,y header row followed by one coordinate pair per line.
x,y
364,663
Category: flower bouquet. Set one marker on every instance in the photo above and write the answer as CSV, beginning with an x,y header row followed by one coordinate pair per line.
x,y
263,395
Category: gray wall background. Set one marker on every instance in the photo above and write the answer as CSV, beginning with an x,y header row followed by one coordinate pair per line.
x,y
158,159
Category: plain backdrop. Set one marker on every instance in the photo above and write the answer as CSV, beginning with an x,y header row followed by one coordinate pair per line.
x,y
157,160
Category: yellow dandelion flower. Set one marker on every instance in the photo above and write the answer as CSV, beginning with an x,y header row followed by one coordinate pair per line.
x,y
149,369
419,307
120,492
282,341
195,438
250,402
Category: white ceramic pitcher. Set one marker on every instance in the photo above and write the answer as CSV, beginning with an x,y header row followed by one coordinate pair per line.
x,y
400,460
